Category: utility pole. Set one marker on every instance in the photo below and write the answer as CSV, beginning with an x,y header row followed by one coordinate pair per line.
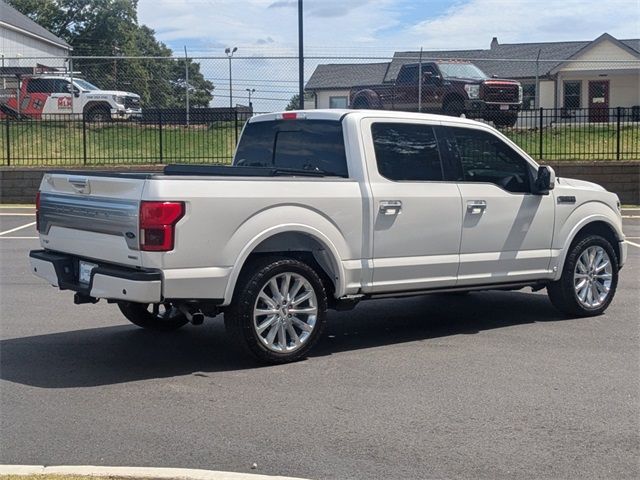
x,y
300,57
230,52
186,79
420,82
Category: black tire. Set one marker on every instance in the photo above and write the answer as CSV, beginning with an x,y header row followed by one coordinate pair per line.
x,y
505,120
150,316
454,108
563,293
361,103
239,316
100,114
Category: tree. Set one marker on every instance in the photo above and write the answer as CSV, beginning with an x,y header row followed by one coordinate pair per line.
x,y
110,28
294,103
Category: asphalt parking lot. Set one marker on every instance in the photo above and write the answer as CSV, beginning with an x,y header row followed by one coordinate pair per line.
x,y
489,385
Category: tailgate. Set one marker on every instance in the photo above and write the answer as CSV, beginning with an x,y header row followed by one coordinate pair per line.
x,y
92,216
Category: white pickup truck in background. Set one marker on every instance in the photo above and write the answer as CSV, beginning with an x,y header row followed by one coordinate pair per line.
x,y
322,209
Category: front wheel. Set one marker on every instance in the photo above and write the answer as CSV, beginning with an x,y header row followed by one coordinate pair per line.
x,y
279,309
161,317
506,120
454,108
589,278
98,115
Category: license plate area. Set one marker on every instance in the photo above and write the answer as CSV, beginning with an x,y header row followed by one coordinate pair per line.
x,y
504,107
84,272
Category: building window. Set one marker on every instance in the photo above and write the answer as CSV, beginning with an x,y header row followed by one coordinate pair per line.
x,y
338,102
572,91
528,96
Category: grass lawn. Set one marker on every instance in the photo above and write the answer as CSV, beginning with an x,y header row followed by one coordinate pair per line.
x,y
63,143
51,143
589,142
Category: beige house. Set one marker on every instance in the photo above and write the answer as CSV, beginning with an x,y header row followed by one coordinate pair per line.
x,y
569,76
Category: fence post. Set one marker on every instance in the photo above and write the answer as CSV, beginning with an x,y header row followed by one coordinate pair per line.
x,y
160,131
540,133
236,126
7,140
618,133
84,139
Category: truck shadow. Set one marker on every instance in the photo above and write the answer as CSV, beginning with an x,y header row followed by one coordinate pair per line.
x,y
117,354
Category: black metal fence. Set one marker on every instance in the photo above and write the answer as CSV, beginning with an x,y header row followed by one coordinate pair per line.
x,y
583,133
163,136
159,137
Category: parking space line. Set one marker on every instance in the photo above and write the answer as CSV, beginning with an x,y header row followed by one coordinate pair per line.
x,y
17,228
630,216
634,244
17,214
19,238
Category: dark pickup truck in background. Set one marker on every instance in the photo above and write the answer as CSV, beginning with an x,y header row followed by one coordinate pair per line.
x,y
449,87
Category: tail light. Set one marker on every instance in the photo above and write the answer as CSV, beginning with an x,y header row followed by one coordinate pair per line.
x,y
38,211
157,225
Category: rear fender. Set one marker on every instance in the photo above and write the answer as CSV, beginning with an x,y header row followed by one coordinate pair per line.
x,y
268,224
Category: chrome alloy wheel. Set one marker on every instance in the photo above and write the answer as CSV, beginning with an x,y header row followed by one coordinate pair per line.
x,y
592,277
285,312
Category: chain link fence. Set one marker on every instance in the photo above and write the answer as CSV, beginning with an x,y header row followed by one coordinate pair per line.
x,y
155,110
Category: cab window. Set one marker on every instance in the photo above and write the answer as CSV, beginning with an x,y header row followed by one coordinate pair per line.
x,y
315,145
406,152
485,158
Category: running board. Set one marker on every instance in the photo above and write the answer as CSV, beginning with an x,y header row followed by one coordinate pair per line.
x,y
494,286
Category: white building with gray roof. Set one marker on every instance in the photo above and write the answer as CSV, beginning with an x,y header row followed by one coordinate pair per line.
x,y
569,75
24,43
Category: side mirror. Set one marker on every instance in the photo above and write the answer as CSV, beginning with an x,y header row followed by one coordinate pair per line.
x,y
545,181
430,77
73,89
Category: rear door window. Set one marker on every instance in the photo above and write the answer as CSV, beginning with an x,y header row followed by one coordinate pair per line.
x,y
407,152
314,145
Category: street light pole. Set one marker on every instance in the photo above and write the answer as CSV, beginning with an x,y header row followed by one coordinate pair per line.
x,y
230,53
250,90
300,57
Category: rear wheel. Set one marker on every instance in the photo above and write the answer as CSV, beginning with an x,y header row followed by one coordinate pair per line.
x,y
589,278
279,309
161,317
361,103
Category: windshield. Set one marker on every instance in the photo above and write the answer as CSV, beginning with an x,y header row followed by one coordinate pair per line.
x,y
461,70
85,85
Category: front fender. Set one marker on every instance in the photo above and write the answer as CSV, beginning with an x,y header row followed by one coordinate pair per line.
x,y
286,219
583,215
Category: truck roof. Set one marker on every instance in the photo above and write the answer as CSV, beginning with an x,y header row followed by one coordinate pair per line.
x,y
337,114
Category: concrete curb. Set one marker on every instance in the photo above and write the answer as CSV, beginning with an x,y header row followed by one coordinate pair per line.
x,y
135,472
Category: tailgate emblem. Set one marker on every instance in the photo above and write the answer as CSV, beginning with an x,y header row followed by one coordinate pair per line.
x,y
80,184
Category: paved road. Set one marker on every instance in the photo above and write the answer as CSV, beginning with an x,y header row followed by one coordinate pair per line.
x,y
491,385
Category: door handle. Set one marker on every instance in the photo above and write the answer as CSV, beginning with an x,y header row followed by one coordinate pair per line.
x,y
390,207
476,207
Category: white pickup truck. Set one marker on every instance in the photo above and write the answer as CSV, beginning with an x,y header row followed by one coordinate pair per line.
x,y
322,209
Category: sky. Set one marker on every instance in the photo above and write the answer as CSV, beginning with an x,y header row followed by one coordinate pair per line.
x,y
367,28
